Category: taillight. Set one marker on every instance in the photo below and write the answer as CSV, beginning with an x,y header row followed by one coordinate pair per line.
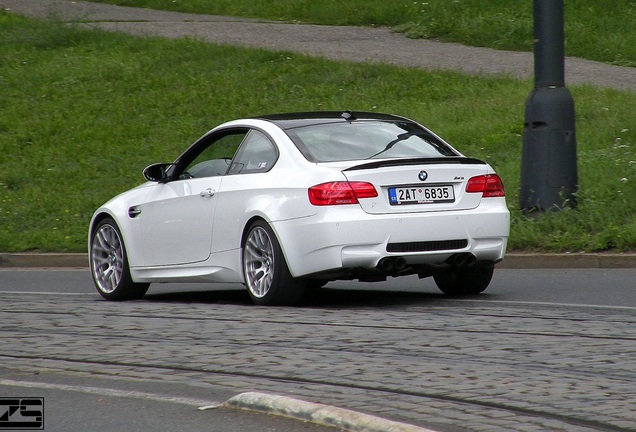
x,y
339,193
489,185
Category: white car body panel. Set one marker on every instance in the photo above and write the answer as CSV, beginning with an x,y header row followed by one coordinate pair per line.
x,y
350,237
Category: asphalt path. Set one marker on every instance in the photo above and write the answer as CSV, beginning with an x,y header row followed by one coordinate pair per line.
x,y
357,44
576,286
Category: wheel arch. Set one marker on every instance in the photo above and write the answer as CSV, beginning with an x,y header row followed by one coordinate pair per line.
x,y
99,216
109,264
96,219
246,228
283,289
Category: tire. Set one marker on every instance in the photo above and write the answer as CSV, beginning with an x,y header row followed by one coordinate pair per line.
x,y
109,264
267,277
464,281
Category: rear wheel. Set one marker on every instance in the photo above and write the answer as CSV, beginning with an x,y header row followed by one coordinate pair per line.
x,y
267,277
464,281
109,264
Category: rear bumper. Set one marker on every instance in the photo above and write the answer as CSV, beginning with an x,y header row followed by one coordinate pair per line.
x,y
347,238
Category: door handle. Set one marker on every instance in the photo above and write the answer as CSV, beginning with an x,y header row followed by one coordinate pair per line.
x,y
133,212
208,193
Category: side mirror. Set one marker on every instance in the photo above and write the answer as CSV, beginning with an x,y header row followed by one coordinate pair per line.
x,y
157,172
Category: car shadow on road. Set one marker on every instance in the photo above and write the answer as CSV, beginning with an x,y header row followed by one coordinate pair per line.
x,y
326,297
318,297
211,296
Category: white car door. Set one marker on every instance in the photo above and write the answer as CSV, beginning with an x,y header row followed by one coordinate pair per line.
x,y
176,221
177,216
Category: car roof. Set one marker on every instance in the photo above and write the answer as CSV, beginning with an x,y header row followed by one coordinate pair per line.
x,y
300,119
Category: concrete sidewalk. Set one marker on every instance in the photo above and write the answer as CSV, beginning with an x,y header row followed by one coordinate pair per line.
x,y
356,44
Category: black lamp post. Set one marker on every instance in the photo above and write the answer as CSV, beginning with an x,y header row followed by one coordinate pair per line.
x,y
548,160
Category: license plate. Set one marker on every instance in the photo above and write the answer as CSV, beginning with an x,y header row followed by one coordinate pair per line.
x,y
421,194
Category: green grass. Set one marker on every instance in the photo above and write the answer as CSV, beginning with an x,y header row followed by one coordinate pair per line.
x,y
595,30
83,112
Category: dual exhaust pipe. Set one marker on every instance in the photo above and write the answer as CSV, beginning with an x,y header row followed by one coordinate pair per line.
x,y
465,259
397,264
392,264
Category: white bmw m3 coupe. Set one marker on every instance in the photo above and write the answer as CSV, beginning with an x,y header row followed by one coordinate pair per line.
x,y
287,202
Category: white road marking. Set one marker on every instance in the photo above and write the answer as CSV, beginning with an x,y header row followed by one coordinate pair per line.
x,y
47,293
531,303
113,393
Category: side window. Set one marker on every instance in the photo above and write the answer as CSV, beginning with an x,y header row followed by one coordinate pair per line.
x,y
257,154
215,158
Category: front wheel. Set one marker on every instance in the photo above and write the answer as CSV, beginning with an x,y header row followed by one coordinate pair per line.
x,y
109,264
267,277
464,281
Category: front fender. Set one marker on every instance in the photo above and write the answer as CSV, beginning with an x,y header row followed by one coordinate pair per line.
x,y
130,227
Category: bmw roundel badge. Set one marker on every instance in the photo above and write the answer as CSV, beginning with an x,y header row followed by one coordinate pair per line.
x,y
423,175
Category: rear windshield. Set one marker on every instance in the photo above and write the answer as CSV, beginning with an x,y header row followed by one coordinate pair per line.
x,y
360,140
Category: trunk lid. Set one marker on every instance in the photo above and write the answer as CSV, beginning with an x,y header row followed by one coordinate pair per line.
x,y
418,185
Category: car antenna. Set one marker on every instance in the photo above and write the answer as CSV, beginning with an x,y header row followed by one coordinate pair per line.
x,y
348,116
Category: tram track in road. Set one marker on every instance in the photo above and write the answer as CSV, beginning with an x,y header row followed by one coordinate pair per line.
x,y
114,333
229,346
468,324
450,322
232,345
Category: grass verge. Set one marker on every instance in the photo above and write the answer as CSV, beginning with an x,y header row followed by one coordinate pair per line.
x,y
594,30
82,112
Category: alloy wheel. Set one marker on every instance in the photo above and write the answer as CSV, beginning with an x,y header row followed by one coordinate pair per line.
x,y
107,258
258,261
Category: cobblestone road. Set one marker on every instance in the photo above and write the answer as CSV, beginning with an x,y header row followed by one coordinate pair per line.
x,y
419,359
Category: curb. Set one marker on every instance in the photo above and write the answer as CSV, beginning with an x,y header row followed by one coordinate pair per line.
x,y
324,415
44,260
568,260
512,260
